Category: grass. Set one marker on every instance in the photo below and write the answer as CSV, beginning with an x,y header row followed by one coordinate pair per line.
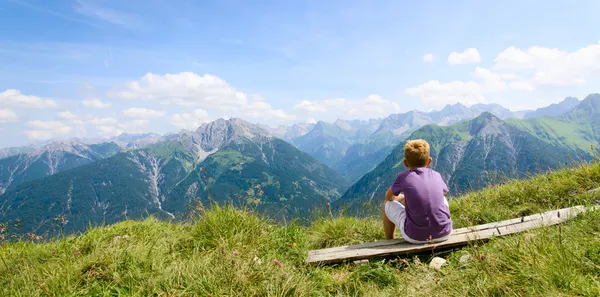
x,y
231,252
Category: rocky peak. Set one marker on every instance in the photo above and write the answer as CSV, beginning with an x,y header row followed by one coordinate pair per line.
x,y
486,122
591,103
213,135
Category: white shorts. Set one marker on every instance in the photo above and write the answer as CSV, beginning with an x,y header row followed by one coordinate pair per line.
x,y
396,213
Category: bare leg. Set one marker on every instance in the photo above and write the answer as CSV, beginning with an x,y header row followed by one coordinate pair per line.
x,y
388,227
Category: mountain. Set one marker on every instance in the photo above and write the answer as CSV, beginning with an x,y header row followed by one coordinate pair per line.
x,y
288,133
225,161
469,155
353,148
363,156
11,151
326,142
50,159
135,141
555,109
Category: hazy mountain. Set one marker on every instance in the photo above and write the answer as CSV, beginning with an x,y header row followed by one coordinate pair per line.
x,y
555,109
353,154
135,141
288,133
11,151
50,159
469,154
223,161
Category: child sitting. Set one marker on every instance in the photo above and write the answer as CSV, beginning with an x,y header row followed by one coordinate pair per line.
x,y
416,202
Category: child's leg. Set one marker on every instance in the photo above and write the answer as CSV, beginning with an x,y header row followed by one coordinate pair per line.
x,y
388,227
395,209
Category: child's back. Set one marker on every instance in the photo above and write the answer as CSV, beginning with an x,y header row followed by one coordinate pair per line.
x,y
416,202
427,213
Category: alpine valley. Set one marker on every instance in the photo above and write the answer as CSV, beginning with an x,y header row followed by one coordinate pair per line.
x,y
283,172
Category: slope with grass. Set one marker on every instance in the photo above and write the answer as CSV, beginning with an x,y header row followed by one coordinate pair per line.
x,y
578,129
233,252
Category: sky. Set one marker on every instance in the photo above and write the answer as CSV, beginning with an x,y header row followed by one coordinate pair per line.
x,y
98,68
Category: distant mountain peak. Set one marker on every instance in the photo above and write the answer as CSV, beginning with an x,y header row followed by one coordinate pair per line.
x,y
591,101
555,109
485,121
571,100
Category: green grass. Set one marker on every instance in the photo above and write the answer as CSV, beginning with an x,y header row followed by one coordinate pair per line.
x,y
230,252
557,132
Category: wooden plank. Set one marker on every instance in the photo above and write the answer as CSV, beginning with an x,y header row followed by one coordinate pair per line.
x,y
460,239
454,232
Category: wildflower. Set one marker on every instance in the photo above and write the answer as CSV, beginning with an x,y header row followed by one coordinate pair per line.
x,y
235,253
54,252
597,202
503,183
543,200
276,262
492,186
524,188
294,244
257,260
75,253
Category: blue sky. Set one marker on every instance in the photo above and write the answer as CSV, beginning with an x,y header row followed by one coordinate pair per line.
x,y
84,68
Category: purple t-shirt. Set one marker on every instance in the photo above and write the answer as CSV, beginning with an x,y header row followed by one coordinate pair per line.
x,y
426,213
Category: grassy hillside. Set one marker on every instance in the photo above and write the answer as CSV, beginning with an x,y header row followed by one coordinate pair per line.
x,y
237,253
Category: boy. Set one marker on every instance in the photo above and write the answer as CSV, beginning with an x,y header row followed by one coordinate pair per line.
x,y
416,202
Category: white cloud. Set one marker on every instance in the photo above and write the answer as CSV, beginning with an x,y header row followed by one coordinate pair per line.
x,y
437,94
208,92
469,56
371,107
102,121
135,126
42,130
428,58
190,121
143,113
490,81
263,110
510,76
7,116
66,115
14,98
551,66
521,86
95,103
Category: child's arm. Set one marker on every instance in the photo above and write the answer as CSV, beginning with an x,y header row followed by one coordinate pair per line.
x,y
389,196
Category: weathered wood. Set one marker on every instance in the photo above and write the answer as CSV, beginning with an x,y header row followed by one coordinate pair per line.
x,y
460,237
380,243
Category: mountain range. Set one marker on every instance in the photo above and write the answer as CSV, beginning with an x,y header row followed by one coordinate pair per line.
x,y
354,148
232,161
229,161
50,159
475,153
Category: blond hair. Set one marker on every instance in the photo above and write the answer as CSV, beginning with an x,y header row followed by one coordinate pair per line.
x,y
416,153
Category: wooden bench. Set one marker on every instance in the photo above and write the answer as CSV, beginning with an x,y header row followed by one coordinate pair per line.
x,y
459,237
